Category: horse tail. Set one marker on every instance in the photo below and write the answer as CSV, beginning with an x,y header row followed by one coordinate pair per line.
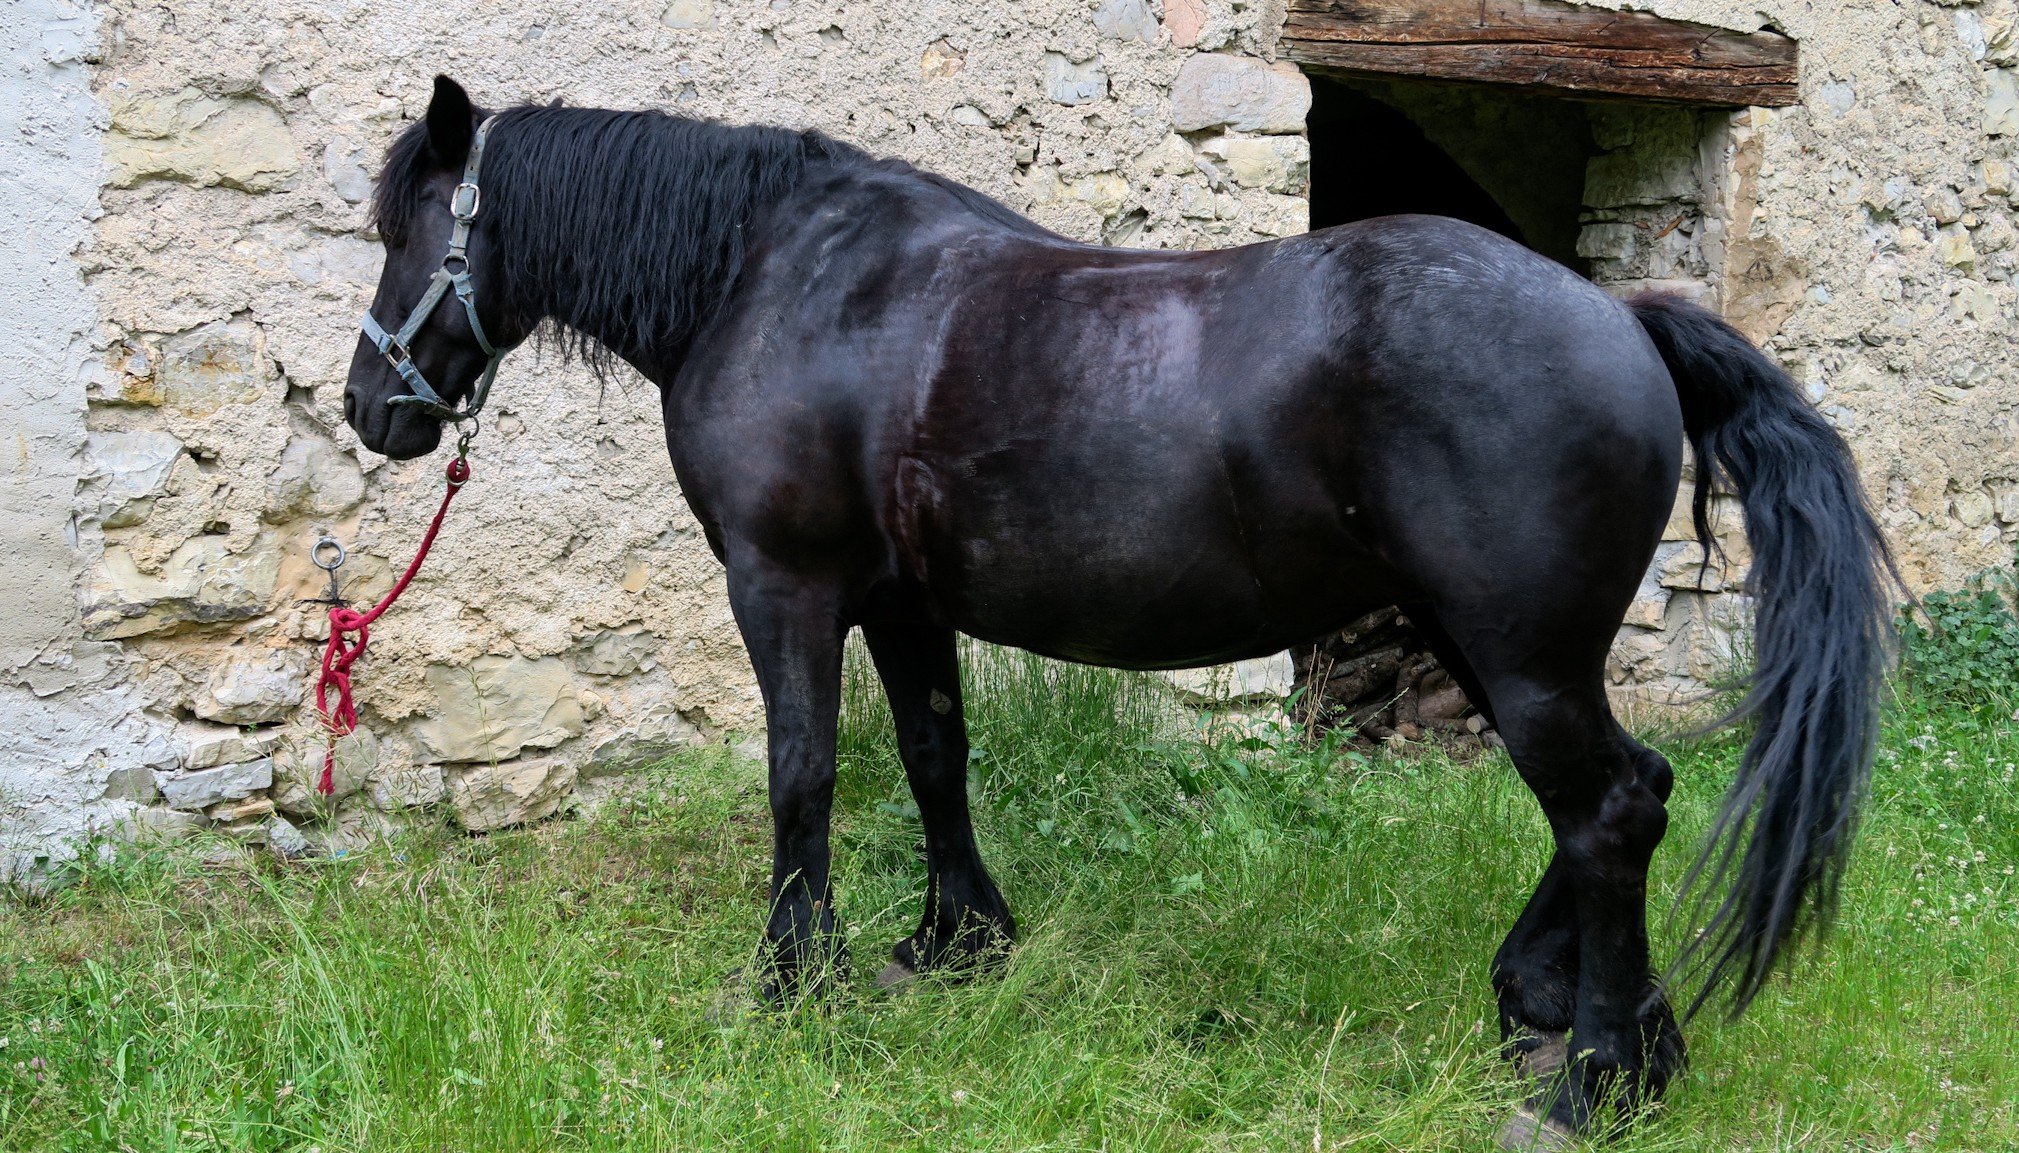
x,y
1822,581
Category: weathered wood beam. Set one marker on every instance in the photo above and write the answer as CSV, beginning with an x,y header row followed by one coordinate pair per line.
x,y
1542,44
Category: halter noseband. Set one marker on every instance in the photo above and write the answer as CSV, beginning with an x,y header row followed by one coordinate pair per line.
x,y
394,347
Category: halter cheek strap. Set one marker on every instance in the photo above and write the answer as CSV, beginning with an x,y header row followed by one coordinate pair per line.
x,y
453,275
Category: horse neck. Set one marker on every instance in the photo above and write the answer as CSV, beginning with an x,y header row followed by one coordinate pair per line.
x,y
629,231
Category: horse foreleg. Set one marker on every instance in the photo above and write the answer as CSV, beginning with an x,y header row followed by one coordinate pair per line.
x,y
793,629
966,921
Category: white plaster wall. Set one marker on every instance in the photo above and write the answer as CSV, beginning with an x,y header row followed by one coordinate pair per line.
x,y
70,725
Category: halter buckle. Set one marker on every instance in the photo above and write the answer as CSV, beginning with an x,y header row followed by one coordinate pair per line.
x,y
393,347
465,201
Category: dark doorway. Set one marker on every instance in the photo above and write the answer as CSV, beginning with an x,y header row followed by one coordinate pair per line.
x,y
1508,161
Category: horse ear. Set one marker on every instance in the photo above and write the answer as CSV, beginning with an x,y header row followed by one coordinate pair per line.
x,y
452,122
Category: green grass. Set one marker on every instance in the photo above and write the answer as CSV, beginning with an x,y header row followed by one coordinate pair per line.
x,y
1225,947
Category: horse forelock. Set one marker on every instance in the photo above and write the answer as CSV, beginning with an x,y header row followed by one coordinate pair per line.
x,y
398,191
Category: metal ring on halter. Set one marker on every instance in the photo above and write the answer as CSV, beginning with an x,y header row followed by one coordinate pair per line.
x,y
315,554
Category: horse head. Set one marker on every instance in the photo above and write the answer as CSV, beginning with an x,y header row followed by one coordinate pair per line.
x,y
433,336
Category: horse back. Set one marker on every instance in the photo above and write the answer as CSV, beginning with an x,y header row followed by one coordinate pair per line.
x,y
1131,457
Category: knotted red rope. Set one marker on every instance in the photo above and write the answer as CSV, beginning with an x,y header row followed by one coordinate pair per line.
x,y
338,656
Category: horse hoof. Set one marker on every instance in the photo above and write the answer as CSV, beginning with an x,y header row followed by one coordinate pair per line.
x,y
896,977
1527,1132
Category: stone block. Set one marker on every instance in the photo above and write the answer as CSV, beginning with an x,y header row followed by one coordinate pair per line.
x,y
196,139
644,741
1184,19
495,706
201,583
215,365
1239,92
1170,156
156,826
689,14
409,787
1277,163
214,745
1195,202
1682,567
1944,205
1126,20
940,60
1648,610
1954,248
347,167
298,767
125,472
1074,82
253,690
618,652
133,783
232,812
1636,652
284,839
206,787
1106,192
1606,241
488,797
2001,102
314,478
1995,22
1974,508
1641,176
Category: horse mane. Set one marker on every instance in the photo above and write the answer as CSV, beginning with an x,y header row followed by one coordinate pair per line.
x,y
627,267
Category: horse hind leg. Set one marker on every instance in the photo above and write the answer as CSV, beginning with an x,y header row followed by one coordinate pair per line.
x,y
967,924
1605,805
1577,961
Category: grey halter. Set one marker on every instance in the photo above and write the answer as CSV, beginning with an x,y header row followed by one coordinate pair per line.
x,y
453,274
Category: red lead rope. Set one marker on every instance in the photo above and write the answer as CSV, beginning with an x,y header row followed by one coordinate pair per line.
x,y
338,656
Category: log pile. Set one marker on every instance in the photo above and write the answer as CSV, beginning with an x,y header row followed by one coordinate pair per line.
x,y
1378,678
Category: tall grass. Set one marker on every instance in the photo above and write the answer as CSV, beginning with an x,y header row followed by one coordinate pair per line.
x,y
1227,945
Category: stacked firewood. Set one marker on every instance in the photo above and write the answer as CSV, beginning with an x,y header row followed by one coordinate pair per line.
x,y
1378,678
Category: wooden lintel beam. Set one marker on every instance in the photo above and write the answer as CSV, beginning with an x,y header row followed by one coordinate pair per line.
x,y
1543,44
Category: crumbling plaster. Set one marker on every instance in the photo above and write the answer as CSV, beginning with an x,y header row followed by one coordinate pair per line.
x,y
74,735
207,255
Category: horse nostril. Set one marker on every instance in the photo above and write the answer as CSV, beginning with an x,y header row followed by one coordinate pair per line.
x,y
350,407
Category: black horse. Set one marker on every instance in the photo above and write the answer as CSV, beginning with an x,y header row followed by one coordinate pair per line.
x,y
894,404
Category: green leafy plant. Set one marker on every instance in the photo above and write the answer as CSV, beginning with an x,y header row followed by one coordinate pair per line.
x,y
1964,644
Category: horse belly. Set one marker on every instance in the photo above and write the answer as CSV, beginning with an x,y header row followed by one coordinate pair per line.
x,y
1130,565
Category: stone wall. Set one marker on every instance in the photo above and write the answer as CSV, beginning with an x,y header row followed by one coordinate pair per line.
x,y
197,174
571,621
